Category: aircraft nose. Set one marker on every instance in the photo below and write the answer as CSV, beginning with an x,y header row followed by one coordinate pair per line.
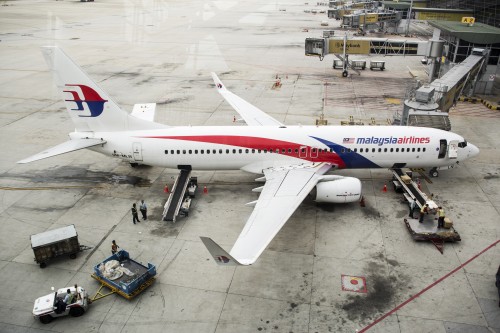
x,y
473,150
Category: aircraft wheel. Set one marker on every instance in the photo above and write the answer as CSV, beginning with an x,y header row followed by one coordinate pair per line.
x,y
76,312
344,74
43,265
434,173
46,319
72,256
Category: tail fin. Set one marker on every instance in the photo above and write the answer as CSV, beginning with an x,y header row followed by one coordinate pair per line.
x,y
90,108
220,256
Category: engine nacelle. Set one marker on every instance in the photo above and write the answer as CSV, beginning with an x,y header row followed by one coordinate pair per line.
x,y
347,189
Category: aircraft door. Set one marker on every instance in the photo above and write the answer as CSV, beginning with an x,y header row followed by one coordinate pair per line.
x,y
453,149
303,152
137,149
443,145
314,152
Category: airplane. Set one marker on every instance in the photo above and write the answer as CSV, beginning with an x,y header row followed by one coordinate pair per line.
x,y
292,159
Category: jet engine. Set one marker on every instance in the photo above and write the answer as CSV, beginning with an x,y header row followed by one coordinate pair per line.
x,y
347,189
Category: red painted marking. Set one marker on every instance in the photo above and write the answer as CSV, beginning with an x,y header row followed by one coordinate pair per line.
x,y
427,288
354,281
263,143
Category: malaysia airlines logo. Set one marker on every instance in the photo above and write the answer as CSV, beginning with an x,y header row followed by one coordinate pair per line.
x,y
94,102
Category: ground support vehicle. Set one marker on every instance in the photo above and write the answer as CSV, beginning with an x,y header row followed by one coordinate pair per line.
x,y
51,306
437,236
55,243
124,276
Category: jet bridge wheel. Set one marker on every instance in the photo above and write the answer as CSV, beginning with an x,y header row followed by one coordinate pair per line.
x,y
434,173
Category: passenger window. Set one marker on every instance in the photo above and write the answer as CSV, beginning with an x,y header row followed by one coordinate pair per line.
x,y
220,151
373,150
342,150
196,151
380,150
183,151
418,149
172,152
385,150
259,151
413,150
246,151
166,152
303,150
296,150
265,151
277,151
234,151
361,150
214,151
355,150
283,151
392,149
349,150
227,151
423,149
253,151
178,151
208,151
190,151
202,151
289,150
241,151
397,150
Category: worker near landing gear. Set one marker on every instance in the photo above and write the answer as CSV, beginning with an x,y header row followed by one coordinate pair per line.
x,y
441,216
424,210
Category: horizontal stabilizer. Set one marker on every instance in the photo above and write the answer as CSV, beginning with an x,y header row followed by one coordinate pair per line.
x,y
220,256
63,148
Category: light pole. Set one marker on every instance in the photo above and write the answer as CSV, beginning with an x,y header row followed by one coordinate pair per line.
x,y
408,20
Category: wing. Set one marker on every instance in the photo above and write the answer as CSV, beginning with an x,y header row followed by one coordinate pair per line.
x,y
283,192
252,115
63,148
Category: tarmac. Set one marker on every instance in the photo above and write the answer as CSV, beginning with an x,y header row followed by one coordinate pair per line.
x,y
332,268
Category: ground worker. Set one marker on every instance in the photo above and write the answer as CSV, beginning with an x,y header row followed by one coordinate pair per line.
x,y
441,216
424,210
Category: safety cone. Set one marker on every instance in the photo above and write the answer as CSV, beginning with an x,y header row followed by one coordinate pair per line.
x,y
205,190
385,188
165,189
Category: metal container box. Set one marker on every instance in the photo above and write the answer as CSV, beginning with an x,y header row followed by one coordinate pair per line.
x,y
54,243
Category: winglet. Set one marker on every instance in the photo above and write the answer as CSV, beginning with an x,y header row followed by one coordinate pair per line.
x,y
220,256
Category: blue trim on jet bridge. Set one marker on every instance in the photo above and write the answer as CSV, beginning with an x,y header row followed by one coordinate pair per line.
x,y
352,160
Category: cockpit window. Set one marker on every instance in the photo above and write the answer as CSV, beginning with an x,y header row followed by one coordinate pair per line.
x,y
462,144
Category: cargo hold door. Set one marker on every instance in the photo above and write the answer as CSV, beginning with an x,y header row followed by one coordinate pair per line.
x,y
137,149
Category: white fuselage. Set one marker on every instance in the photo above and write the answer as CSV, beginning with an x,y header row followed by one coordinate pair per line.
x,y
253,148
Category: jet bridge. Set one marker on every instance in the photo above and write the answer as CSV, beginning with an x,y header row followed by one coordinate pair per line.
x,y
428,105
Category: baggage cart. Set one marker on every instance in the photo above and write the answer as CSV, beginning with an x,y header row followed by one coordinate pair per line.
x,y
55,243
124,284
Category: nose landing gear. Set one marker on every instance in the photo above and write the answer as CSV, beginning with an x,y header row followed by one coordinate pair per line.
x,y
433,172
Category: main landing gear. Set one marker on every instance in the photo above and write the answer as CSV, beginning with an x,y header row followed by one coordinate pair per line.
x,y
433,172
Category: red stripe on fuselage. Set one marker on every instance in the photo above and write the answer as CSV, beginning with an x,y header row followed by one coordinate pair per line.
x,y
263,143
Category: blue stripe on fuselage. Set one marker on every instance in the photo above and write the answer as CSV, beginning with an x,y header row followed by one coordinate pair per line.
x,y
352,160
